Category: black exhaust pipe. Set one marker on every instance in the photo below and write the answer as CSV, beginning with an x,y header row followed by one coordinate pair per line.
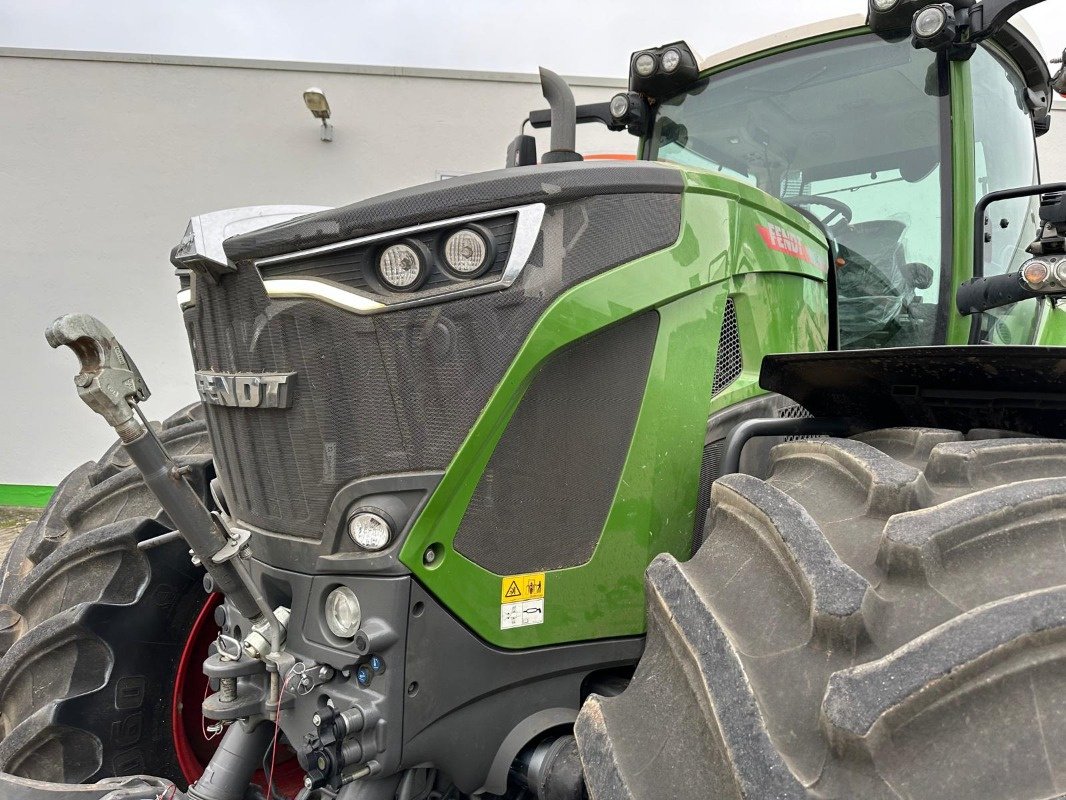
x,y
564,118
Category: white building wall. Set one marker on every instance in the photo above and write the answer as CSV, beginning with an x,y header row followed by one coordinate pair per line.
x,y
103,159
1053,146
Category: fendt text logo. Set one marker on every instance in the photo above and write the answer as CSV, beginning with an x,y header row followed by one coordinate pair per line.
x,y
245,391
784,242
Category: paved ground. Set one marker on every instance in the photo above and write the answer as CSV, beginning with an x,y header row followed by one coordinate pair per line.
x,y
12,520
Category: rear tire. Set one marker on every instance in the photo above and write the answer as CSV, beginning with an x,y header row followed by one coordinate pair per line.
x,y
882,617
91,627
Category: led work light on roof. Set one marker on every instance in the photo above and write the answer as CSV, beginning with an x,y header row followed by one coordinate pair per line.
x,y
660,72
670,61
628,110
934,26
893,18
644,64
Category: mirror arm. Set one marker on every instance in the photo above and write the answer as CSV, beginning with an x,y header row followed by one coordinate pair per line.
x,y
979,242
588,112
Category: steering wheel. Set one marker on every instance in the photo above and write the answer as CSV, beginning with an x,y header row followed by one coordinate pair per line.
x,y
838,208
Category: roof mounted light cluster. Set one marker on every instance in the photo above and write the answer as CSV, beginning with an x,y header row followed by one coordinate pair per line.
x,y
957,25
660,72
955,29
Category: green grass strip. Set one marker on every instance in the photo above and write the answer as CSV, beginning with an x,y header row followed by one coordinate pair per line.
x,y
22,496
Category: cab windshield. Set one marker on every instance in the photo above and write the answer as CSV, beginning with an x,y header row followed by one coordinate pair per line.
x,y
849,132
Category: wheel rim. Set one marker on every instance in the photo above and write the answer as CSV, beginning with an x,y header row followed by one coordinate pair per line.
x,y
192,746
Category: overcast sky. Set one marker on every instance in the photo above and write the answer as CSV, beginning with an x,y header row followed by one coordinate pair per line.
x,y
575,37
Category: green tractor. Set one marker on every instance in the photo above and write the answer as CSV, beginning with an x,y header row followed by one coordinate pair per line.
x,y
694,477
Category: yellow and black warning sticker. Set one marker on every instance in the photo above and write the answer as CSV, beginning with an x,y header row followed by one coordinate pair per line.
x,y
522,600
516,588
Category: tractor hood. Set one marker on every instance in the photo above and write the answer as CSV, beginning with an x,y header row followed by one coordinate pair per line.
x,y
317,375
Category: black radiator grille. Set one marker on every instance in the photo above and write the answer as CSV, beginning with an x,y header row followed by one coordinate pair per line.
x,y
545,494
392,392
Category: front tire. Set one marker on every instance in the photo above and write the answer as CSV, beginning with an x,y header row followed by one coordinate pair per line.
x,y
92,627
882,617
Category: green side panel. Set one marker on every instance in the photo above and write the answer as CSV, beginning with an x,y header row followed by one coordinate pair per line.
x,y
1051,330
22,496
720,251
964,188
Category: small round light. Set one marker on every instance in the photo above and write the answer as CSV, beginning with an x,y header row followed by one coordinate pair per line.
x,y
465,251
400,266
885,5
342,613
619,105
644,64
1035,273
930,21
1060,270
369,531
671,60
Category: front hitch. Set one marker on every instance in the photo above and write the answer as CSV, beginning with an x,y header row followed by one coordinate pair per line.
x,y
112,386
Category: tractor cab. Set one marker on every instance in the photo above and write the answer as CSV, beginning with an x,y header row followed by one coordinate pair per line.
x,y
880,141
885,130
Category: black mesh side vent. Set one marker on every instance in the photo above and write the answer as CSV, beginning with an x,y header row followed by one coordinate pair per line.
x,y
730,361
548,486
710,471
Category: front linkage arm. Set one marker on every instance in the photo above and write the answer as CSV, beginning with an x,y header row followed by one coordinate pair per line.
x,y
111,385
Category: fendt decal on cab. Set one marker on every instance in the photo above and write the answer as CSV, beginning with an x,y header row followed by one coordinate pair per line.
x,y
266,390
782,241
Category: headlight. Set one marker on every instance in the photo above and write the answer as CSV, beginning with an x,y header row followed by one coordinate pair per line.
x,y
644,64
370,531
402,266
342,613
671,60
466,253
884,5
620,105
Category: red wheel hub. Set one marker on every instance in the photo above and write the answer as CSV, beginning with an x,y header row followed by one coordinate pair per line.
x,y
192,744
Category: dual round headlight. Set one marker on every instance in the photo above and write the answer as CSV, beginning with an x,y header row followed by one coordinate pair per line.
x,y
669,61
464,253
403,266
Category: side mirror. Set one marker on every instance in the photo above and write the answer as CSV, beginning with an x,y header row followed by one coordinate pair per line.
x,y
1041,276
522,151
